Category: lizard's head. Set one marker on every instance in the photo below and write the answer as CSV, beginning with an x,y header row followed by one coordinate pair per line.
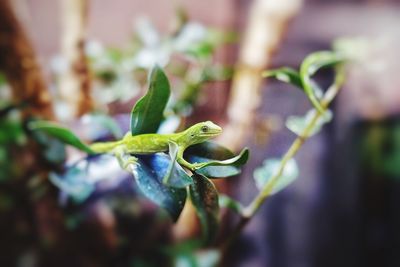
x,y
201,132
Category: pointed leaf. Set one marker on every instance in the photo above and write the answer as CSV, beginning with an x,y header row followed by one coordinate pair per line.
x,y
175,175
310,66
147,114
214,171
204,197
285,74
239,160
60,133
263,174
149,174
210,151
297,124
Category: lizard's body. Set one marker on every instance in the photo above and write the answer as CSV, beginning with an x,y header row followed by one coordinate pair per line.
x,y
153,143
137,144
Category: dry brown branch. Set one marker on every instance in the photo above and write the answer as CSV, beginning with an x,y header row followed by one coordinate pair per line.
x,y
75,83
19,64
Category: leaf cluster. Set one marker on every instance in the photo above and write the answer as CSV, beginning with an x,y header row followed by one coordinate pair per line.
x,y
159,176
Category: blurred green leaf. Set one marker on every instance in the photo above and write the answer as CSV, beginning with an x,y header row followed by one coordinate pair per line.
x,y
106,76
208,258
201,50
310,65
354,48
201,258
11,131
204,197
52,149
176,175
147,114
2,79
103,121
297,124
149,174
74,183
270,167
218,73
61,133
285,74
146,32
227,202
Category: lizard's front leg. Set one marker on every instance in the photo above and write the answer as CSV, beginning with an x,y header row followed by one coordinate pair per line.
x,y
184,163
124,159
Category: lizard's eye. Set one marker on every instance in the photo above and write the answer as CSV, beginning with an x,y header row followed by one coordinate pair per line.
x,y
204,129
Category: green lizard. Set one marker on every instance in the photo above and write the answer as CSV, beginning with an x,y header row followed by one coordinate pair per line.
x,y
152,143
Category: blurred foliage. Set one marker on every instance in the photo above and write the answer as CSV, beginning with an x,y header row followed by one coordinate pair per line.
x,y
187,52
158,175
379,147
91,184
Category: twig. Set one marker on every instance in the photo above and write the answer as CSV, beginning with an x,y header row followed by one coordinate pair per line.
x,y
250,210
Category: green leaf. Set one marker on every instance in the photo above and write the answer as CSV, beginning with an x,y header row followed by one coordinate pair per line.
x,y
239,160
74,183
263,174
310,66
60,133
105,122
210,152
204,197
176,175
297,124
221,171
285,74
227,202
147,114
149,174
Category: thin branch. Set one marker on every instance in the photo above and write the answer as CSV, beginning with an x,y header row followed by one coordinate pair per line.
x,y
250,210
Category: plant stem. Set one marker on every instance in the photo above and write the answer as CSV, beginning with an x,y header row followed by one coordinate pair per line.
x,y
250,210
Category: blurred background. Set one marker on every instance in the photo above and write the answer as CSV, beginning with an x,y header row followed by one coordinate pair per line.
x,y
94,55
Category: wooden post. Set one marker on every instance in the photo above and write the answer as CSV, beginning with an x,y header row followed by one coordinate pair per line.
x,y
75,85
267,22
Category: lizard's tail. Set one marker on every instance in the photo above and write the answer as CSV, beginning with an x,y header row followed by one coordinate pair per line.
x,y
104,147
